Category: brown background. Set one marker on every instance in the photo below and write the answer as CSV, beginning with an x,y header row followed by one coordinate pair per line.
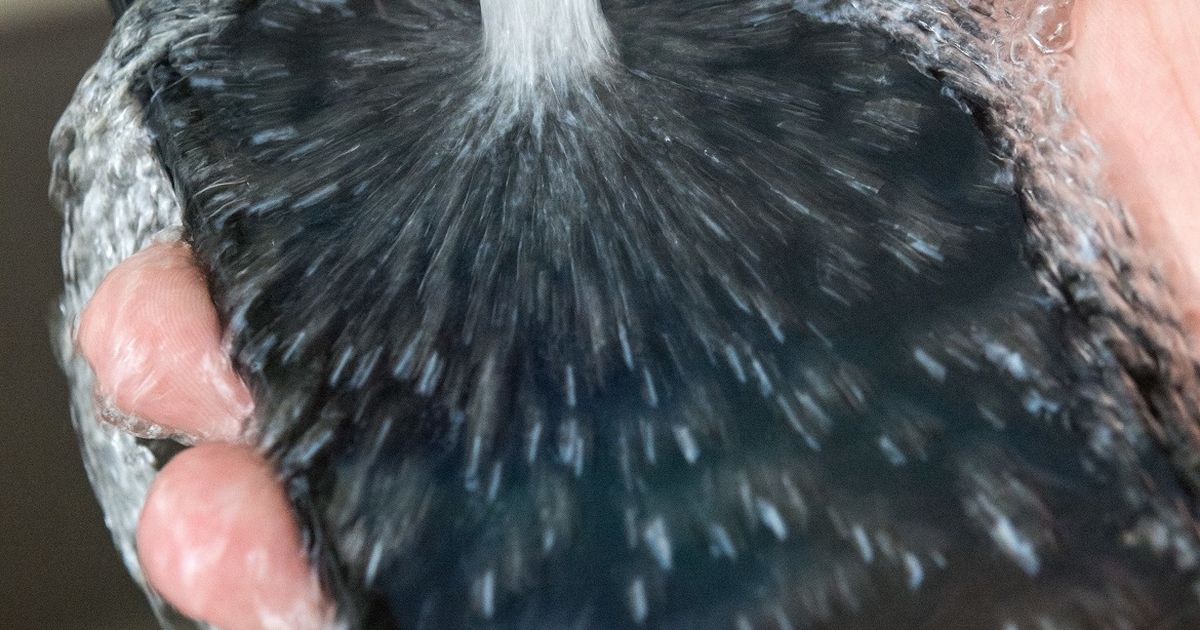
x,y
58,569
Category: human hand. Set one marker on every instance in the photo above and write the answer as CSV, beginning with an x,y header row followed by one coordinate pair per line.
x,y
216,537
1135,88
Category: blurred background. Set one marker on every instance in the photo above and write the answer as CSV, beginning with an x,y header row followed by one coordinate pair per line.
x,y
58,569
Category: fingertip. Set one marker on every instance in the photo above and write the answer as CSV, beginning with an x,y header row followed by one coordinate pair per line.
x,y
218,541
152,336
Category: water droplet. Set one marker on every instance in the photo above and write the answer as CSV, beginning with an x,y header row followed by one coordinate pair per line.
x,y
770,516
687,444
1050,25
659,542
638,606
485,595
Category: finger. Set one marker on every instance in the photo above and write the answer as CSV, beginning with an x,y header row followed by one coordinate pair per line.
x,y
1129,86
217,540
152,336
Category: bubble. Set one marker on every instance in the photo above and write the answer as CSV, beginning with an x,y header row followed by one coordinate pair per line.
x,y
1049,25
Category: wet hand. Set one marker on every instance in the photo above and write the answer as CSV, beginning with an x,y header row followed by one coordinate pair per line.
x,y
216,537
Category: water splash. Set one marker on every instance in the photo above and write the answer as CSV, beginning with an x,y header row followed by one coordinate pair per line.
x,y
1070,217
528,43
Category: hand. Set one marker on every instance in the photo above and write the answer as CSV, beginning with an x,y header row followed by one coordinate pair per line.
x,y
217,537
1134,85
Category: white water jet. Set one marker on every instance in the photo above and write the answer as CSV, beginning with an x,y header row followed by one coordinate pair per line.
x,y
533,43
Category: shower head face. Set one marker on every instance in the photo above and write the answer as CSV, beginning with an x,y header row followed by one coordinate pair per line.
x,y
733,326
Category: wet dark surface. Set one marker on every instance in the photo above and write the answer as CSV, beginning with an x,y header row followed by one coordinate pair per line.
x,y
1024,473
842,397
58,568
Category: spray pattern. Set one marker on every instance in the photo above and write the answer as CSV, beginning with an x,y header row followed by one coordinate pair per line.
x,y
997,57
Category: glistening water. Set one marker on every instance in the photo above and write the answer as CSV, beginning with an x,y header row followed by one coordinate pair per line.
x,y
669,314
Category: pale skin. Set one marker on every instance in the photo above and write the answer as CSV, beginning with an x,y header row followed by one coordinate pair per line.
x,y
217,538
